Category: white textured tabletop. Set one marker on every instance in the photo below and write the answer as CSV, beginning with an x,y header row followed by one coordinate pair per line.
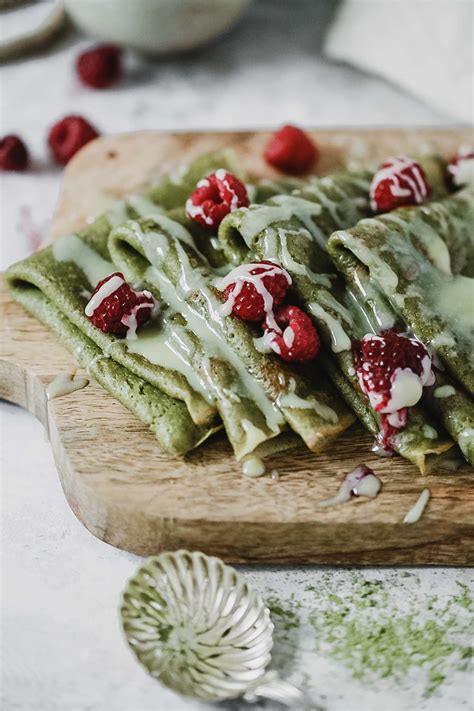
x,y
359,640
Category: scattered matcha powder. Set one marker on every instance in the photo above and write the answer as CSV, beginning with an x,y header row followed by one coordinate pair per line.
x,y
371,634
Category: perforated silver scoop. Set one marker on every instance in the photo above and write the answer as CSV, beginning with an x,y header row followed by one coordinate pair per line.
x,y
195,625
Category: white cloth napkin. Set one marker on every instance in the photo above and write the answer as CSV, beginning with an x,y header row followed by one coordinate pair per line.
x,y
425,46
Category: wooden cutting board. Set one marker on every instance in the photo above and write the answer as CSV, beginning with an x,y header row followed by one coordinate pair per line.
x,y
130,494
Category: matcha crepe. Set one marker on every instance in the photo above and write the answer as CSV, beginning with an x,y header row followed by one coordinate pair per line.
x,y
417,262
294,230
407,254
256,394
167,417
66,273
373,313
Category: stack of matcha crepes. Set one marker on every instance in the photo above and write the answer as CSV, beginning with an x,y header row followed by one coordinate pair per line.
x,y
193,370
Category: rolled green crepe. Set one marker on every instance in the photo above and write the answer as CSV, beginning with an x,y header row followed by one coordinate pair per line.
x,y
294,230
267,393
439,242
372,313
167,417
407,254
66,273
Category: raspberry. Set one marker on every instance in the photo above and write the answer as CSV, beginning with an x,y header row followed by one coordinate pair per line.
x,y
291,150
116,308
389,426
68,136
381,360
100,66
461,167
214,197
297,340
399,181
13,153
253,290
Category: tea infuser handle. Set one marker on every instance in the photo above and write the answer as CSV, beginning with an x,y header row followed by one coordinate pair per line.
x,y
270,686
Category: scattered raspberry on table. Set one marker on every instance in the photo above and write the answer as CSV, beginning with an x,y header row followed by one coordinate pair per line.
x,y
291,150
13,154
298,339
214,197
100,67
68,136
399,181
115,307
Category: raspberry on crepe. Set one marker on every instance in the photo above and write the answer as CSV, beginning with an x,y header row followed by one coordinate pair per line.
x,y
253,290
296,339
399,181
214,197
392,370
116,308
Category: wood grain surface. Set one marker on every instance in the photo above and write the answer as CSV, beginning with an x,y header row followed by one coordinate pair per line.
x,y
127,492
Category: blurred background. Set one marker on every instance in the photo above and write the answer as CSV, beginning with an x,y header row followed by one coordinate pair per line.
x,y
220,64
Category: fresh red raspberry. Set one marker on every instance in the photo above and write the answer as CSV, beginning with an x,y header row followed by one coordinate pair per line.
x,y
291,150
253,290
380,360
100,66
298,340
461,167
116,308
399,181
214,197
68,136
13,153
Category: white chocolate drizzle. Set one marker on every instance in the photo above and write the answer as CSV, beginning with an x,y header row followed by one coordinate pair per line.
x,y
258,218
444,391
144,206
361,481
209,330
416,512
169,346
292,400
106,290
71,248
117,214
253,467
64,385
270,249
265,343
253,436
429,432
340,341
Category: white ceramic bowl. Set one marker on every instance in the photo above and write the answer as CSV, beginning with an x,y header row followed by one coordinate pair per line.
x,y
156,26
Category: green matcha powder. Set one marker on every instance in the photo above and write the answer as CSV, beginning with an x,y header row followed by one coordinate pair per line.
x,y
378,629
